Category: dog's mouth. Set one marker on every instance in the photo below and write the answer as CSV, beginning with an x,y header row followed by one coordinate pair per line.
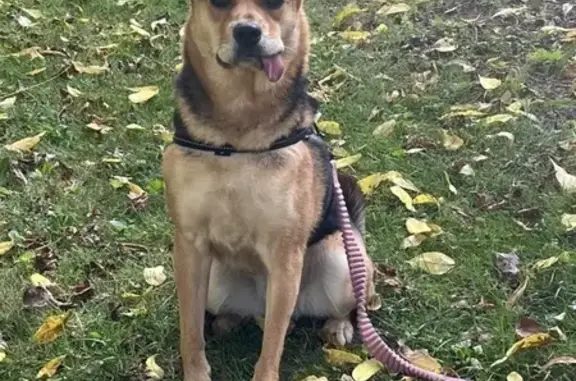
x,y
272,66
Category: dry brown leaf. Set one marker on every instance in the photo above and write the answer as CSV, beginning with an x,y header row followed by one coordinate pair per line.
x,y
51,367
51,329
528,326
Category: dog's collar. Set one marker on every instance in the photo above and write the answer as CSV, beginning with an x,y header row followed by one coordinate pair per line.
x,y
183,139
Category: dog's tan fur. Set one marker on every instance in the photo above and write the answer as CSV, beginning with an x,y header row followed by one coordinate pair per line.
x,y
242,223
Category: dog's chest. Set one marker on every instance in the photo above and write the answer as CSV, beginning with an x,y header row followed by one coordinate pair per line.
x,y
238,212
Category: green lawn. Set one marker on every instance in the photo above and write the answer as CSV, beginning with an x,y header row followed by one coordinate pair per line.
x,y
69,223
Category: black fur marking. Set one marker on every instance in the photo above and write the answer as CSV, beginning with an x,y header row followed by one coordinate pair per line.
x,y
192,91
355,202
298,95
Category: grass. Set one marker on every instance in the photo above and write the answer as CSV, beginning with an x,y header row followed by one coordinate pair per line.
x,y
70,224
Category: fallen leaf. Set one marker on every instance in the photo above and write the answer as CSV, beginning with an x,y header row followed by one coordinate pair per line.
x,y
369,183
36,71
415,226
498,118
134,126
425,198
403,196
51,328
545,263
340,357
506,12
26,144
34,13
517,294
6,246
566,180
99,127
73,92
507,266
450,141
51,367
393,9
463,113
433,262
445,45
467,170
346,12
330,127
397,179
354,35
532,341
569,221
143,93
348,161
135,191
7,103
567,360
90,69
514,377
527,326
556,333
489,83
154,276
314,378
413,240
385,129
366,369
153,371
140,31
24,21
39,280
421,359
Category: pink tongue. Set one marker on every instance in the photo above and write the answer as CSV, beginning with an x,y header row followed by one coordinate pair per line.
x,y
273,67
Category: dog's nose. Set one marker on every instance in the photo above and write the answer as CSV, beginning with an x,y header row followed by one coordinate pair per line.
x,y
247,35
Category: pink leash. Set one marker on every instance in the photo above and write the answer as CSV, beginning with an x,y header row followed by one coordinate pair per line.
x,y
358,274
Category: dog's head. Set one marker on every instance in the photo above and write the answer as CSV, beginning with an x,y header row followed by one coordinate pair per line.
x,y
250,34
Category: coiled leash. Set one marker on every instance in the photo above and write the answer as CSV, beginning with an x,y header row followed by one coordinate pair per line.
x,y
358,274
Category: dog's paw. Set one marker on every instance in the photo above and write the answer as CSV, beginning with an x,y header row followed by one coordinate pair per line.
x,y
338,332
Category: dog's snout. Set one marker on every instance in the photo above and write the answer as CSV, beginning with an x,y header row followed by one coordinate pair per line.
x,y
247,35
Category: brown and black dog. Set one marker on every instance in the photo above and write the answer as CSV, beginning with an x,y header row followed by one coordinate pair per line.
x,y
256,233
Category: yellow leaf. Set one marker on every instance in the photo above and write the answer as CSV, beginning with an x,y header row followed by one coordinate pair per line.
x,y
154,276
569,220
354,35
314,378
498,118
421,359
2,355
90,70
425,198
393,9
6,246
403,196
7,103
515,107
26,144
51,367
346,12
463,113
566,180
330,127
339,357
381,28
413,240
397,179
385,129
533,341
39,280
433,262
545,263
365,370
51,328
143,94
178,67
369,183
514,377
348,161
135,191
153,371
73,92
36,71
489,83
451,142
415,226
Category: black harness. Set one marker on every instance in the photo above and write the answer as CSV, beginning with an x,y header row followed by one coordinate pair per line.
x,y
328,224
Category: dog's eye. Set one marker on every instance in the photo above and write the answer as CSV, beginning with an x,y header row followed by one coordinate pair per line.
x,y
273,4
220,3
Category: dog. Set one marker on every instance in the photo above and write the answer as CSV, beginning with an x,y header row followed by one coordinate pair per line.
x,y
249,188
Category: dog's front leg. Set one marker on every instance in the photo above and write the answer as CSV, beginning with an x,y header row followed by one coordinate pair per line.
x,y
284,275
192,273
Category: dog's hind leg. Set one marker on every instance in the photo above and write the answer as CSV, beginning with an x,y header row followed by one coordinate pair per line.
x,y
327,289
